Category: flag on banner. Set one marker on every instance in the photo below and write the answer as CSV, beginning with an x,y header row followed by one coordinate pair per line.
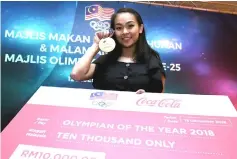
x,y
98,12
104,96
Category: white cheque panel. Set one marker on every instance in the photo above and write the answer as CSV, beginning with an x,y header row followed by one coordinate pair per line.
x,y
208,105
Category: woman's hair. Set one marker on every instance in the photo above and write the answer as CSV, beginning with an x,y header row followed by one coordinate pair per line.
x,y
143,51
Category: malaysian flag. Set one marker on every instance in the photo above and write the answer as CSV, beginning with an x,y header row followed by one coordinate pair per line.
x,y
97,12
103,95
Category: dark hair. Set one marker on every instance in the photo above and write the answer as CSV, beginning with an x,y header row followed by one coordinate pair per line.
x,y
143,50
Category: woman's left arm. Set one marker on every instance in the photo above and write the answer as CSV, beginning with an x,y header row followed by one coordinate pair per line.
x,y
163,83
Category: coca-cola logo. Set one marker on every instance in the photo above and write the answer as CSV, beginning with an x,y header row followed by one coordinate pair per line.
x,y
164,103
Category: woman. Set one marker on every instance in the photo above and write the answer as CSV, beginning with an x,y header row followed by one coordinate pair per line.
x,y
132,66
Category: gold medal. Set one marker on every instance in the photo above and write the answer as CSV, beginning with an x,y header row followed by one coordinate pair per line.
x,y
107,44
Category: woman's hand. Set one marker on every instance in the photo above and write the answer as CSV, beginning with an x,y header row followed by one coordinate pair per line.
x,y
140,91
101,35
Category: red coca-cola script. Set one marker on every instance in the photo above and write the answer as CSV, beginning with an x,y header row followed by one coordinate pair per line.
x,y
165,103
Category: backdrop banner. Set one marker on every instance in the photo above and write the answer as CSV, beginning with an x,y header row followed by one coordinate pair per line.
x,y
41,41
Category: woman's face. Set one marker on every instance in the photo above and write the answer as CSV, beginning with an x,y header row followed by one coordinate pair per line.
x,y
127,29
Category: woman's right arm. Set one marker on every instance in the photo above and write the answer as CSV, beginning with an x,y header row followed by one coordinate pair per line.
x,y
84,69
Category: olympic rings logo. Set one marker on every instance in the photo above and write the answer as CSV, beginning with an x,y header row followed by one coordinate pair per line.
x,y
101,103
100,26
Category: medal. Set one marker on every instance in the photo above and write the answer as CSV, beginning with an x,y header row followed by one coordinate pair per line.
x,y
107,44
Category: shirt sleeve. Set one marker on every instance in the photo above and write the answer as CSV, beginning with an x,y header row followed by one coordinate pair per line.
x,y
99,71
155,65
100,60
156,70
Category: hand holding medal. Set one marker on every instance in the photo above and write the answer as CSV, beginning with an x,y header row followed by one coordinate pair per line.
x,y
106,43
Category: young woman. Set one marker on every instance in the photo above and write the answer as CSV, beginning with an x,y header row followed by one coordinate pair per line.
x,y
132,66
